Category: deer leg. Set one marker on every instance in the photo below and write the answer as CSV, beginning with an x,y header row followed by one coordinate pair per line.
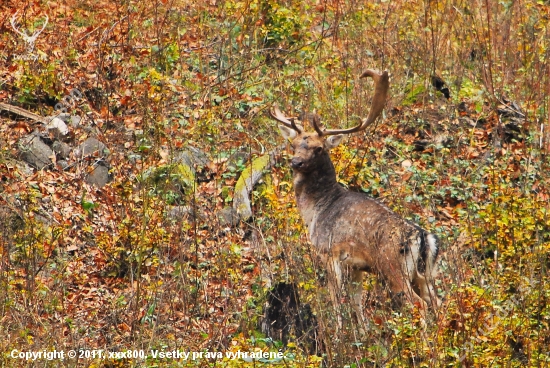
x,y
402,289
334,273
426,290
337,263
356,292
352,265
400,284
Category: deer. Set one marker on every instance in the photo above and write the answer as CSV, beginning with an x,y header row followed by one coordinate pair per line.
x,y
351,232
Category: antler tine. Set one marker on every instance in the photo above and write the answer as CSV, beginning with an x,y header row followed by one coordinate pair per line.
x,y
44,26
12,22
316,120
278,115
381,86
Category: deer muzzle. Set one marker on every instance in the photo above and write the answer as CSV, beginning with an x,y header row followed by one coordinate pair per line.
x,y
296,163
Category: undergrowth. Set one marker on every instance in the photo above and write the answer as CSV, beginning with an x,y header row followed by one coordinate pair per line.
x,y
148,263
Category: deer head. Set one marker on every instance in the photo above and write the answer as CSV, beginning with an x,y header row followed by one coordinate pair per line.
x,y
312,147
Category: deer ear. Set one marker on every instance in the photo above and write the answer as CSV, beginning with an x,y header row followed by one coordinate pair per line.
x,y
333,141
287,132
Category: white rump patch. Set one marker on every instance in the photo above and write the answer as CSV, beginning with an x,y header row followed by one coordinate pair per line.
x,y
432,253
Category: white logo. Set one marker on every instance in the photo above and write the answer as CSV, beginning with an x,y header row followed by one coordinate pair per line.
x,y
29,39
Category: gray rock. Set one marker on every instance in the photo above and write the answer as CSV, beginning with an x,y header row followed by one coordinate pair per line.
x,y
62,149
62,164
10,222
75,120
193,157
99,176
23,168
43,219
63,116
228,216
236,159
180,213
57,128
250,176
92,147
35,152
194,161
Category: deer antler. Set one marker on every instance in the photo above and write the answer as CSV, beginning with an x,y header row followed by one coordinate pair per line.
x,y
316,120
278,115
381,86
28,39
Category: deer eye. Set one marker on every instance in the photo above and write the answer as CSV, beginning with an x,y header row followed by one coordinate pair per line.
x,y
318,150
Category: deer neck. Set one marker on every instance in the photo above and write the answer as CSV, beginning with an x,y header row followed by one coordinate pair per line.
x,y
315,190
